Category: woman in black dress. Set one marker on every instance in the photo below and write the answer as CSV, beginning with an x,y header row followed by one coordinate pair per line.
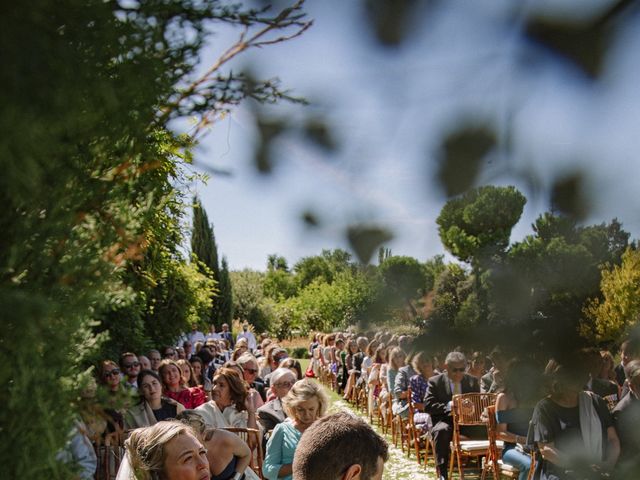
x,y
571,428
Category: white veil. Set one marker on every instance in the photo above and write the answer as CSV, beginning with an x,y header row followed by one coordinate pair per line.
x,y
125,472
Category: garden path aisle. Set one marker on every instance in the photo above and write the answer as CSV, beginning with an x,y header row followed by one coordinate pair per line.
x,y
399,467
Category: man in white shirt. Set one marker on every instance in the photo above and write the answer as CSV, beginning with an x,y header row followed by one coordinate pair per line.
x,y
251,339
213,335
195,335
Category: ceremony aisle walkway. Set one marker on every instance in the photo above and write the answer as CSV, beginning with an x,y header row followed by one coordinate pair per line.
x,y
399,467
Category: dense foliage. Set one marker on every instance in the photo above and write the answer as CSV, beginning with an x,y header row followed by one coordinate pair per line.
x,y
92,193
534,292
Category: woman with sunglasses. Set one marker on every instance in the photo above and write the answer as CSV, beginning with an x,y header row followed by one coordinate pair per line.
x,y
249,366
152,407
114,398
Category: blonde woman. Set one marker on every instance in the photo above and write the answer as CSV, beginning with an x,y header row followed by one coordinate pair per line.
x,y
166,450
304,404
229,456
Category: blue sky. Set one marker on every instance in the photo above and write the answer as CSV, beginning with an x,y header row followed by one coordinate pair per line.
x,y
388,107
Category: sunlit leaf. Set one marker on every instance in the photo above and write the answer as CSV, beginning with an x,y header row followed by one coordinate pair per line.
x,y
461,158
583,43
310,219
389,19
568,196
319,133
365,240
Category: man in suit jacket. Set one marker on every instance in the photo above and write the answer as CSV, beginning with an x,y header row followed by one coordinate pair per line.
x,y
225,334
437,403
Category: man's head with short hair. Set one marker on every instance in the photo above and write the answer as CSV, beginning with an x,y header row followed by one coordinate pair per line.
x,y
455,364
340,447
129,365
632,371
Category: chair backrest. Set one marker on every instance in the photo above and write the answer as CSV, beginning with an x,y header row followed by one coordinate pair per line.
x,y
411,408
492,434
470,408
251,437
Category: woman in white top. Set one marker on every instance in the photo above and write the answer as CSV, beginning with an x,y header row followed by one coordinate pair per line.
x,y
230,404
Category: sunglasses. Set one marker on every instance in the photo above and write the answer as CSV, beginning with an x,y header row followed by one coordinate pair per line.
x,y
133,364
110,373
457,370
283,384
251,370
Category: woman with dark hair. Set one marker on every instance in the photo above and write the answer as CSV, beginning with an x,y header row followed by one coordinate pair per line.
x,y
153,407
477,364
571,428
353,363
188,376
199,369
230,404
174,387
514,408
293,365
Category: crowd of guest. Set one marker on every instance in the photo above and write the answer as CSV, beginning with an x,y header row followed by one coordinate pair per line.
x,y
579,412
225,382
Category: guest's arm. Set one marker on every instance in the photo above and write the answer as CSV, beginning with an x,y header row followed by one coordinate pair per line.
x,y
613,448
272,467
433,404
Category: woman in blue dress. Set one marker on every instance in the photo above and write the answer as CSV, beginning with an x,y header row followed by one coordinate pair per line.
x,y
304,404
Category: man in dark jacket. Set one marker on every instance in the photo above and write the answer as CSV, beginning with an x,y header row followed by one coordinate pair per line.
x,y
438,403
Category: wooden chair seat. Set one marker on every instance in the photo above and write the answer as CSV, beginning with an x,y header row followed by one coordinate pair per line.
x,y
467,410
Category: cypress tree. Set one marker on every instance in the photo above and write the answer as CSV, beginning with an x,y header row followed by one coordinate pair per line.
x,y
225,294
203,246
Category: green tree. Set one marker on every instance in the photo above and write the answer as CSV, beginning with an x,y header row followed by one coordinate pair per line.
x,y
203,246
279,284
277,262
90,190
225,296
550,275
432,270
249,302
612,317
324,266
476,228
404,279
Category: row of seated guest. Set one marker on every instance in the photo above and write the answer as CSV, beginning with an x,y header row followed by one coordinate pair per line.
x,y
570,419
340,445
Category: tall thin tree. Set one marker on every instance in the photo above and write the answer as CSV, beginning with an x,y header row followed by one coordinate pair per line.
x,y
225,295
203,245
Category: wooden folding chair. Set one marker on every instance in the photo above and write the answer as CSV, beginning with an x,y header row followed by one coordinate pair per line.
x,y
493,461
109,453
415,435
251,437
385,413
467,411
